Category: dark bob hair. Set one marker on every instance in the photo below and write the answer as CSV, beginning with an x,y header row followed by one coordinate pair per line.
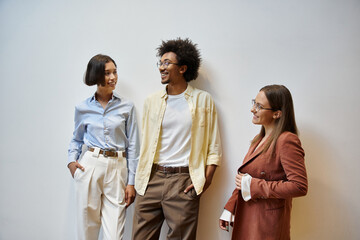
x,y
95,72
186,54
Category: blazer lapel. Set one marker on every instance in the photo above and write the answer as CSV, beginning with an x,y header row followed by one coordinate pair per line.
x,y
252,153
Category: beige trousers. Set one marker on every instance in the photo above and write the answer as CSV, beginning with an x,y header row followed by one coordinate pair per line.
x,y
100,196
165,199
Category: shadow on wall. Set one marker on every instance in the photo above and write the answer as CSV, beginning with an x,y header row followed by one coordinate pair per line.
x,y
322,213
204,82
212,201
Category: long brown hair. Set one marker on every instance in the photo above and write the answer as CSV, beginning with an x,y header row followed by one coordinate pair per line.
x,y
279,98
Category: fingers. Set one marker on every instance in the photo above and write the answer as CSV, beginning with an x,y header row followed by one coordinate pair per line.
x,y
130,200
189,188
239,176
238,181
129,195
73,166
79,166
238,185
224,225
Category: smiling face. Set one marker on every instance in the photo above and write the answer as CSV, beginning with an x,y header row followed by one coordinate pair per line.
x,y
111,77
264,117
172,73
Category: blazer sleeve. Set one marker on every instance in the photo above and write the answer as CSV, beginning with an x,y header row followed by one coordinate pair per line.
x,y
291,155
232,202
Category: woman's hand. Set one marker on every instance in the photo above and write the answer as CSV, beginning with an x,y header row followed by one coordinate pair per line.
x,y
73,166
129,195
224,225
238,180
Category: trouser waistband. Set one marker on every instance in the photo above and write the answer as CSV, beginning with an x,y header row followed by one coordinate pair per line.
x,y
163,169
108,153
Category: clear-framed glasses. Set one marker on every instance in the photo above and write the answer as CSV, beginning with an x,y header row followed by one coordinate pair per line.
x,y
258,107
164,64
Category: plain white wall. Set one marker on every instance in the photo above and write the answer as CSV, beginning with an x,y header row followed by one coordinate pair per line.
x,y
312,47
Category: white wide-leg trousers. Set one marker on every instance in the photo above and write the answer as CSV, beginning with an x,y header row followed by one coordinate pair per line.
x,y
100,196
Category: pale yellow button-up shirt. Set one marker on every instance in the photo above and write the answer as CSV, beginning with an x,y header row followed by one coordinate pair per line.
x,y
205,136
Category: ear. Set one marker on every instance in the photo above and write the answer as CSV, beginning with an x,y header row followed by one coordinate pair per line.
x,y
277,114
182,69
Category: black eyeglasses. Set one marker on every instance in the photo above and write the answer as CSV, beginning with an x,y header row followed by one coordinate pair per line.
x,y
164,64
258,107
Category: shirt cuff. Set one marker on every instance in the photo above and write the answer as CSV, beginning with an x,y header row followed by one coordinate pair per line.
x,y
213,160
72,157
227,216
245,187
131,179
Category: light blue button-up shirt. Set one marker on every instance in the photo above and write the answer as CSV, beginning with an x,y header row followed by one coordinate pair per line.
x,y
114,127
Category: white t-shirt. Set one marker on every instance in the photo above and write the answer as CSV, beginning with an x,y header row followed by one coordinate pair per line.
x,y
175,132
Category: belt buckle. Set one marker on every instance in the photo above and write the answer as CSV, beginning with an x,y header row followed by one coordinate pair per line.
x,y
105,153
166,170
171,170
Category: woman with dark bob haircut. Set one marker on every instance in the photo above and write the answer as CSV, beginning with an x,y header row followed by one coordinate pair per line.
x,y
271,174
106,127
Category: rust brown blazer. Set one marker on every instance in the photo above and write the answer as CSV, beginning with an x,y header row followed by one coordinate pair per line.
x,y
275,181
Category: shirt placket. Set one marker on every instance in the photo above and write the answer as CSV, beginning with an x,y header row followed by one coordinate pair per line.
x,y
192,111
106,129
156,137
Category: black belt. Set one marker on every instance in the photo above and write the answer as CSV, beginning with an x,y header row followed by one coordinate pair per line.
x,y
107,153
170,169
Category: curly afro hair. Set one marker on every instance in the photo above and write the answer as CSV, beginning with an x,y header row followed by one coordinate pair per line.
x,y
186,54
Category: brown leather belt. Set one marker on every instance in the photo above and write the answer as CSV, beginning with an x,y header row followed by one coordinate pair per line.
x,y
107,153
170,169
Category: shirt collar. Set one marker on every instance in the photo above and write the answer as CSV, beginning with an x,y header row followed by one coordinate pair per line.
x,y
114,96
188,92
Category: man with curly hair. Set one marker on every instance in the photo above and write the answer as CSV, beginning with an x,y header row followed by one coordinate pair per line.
x,y
180,147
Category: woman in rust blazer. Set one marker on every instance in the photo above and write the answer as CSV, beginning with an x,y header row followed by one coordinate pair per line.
x,y
272,173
